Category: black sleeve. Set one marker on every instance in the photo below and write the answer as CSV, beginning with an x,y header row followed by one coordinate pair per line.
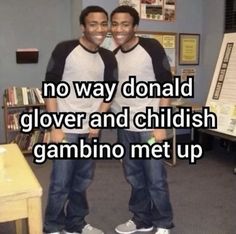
x,y
111,72
56,63
160,61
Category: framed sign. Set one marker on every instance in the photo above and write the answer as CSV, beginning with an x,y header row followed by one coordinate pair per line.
x,y
163,10
189,46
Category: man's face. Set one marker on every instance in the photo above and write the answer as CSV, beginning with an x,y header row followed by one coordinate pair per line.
x,y
96,28
122,28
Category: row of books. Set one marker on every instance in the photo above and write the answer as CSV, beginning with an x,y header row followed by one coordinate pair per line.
x,y
27,141
13,121
12,118
19,96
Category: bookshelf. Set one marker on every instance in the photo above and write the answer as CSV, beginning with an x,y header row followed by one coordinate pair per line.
x,y
15,101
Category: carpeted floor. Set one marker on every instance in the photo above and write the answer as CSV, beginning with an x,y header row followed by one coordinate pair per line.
x,y
203,195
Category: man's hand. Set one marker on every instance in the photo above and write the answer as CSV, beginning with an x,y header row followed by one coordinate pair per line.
x,y
57,135
93,133
160,135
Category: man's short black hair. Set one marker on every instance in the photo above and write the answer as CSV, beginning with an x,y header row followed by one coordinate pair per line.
x,y
90,9
127,9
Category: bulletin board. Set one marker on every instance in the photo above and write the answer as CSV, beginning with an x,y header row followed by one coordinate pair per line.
x,y
162,10
222,95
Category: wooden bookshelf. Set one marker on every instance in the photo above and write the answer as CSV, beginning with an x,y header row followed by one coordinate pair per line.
x,y
15,101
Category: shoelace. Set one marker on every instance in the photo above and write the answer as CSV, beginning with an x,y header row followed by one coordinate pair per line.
x,y
129,223
88,227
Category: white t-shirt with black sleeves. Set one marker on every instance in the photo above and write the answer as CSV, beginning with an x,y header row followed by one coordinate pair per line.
x,y
70,61
147,61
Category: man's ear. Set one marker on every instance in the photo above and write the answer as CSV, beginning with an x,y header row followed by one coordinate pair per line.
x,y
82,28
136,28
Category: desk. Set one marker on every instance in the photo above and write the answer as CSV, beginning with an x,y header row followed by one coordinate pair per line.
x,y
20,192
195,107
220,135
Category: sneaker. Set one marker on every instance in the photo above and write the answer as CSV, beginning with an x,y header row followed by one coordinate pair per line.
x,y
130,227
53,233
65,232
88,229
162,231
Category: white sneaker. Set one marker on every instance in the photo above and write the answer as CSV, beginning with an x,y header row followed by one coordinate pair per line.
x,y
88,229
130,227
162,231
65,232
53,233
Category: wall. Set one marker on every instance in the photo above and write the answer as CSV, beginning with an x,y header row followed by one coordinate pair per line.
x,y
76,6
27,23
212,36
189,16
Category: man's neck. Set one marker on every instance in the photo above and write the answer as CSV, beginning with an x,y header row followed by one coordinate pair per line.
x,y
130,44
88,45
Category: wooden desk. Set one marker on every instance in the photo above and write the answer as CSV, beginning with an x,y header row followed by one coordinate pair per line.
x,y
218,134
195,107
20,192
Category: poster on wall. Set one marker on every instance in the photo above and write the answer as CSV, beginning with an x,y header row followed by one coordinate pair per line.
x,y
189,47
186,72
163,10
222,95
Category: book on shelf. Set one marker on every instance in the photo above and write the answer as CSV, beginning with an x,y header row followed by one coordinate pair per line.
x,y
13,121
27,141
20,96
17,100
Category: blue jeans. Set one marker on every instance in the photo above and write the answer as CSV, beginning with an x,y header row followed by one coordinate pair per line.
x,y
67,203
149,201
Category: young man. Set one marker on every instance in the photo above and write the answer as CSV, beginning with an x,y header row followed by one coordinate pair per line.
x,y
77,60
145,59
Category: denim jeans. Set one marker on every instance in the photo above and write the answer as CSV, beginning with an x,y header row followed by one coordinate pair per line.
x,y
67,204
149,201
